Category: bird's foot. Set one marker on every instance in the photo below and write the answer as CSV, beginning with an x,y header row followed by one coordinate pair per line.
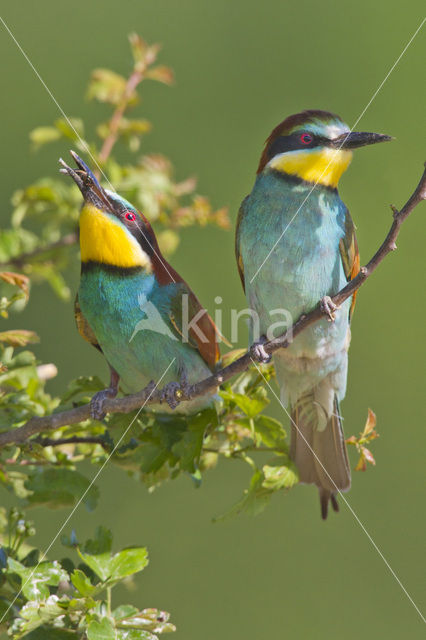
x,y
185,387
328,308
172,394
258,351
98,401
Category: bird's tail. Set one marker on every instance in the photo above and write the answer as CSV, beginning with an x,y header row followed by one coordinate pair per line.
x,y
318,445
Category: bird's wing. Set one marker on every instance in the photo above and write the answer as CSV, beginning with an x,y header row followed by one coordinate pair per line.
x,y
84,328
206,339
350,254
202,334
237,242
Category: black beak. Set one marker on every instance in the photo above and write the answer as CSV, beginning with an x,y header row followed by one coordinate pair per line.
x,y
356,139
86,182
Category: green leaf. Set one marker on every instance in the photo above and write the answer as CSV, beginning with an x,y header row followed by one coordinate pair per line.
x,y
151,620
82,384
254,500
127,562
102,630
35,581
251,406
277,477
270,431
188,449
135,634
82,583
153,457
61,487
124,611
34,614
101,543
122,564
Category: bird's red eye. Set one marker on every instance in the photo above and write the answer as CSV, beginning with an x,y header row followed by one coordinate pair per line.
x,y
130,216
306,138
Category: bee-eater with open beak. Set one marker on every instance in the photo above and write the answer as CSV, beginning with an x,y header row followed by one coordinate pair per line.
x,y
295,246
132,305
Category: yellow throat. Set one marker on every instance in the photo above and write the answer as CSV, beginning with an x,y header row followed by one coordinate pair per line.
x,y
102,239
322,166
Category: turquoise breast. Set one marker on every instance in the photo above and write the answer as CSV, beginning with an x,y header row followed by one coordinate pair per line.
x,y
306,226
129,315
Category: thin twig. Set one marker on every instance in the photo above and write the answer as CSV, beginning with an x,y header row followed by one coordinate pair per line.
x,y
56,442
148,396
135,78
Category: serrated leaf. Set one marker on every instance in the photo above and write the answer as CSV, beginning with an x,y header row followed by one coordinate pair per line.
x,y
34,614
82,384
280,476
270,431
188,449
251,406
127,562
102,630
82,583
36,581
101,543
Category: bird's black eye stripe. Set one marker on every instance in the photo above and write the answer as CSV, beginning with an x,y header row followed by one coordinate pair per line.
x,y
293,142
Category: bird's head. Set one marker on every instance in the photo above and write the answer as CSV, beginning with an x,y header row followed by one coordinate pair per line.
x,y
112,231
315,146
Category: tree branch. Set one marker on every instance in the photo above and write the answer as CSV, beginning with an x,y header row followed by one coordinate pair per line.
x,y
153,395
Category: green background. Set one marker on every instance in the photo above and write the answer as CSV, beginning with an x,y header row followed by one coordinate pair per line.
x,y
241,67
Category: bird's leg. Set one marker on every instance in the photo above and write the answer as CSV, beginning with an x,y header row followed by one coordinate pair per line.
x,y
328,308
258,352
98,400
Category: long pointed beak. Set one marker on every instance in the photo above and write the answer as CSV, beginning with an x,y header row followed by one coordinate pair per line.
x,y
87,183
356,139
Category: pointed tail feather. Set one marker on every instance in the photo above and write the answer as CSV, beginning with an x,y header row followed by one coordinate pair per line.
x,y
318,448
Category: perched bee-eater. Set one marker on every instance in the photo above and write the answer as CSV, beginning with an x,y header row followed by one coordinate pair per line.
x,y
295,246
132,305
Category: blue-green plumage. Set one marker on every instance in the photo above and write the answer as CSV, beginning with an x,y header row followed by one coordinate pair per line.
x,y
130,316
295,246
305,265
133,306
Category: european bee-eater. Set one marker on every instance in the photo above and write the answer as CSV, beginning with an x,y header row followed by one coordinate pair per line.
x,y
295,246
132,305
